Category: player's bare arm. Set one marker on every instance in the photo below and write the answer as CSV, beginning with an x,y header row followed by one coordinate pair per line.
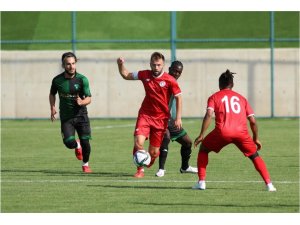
x,y
254,129
122,69
52,107
205,124
83,102
178,121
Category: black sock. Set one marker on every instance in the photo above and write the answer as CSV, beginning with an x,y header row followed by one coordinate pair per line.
x,y
185,157
162,158
86,150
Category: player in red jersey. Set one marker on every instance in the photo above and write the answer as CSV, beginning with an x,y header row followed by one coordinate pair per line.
x,y
231,113
154,113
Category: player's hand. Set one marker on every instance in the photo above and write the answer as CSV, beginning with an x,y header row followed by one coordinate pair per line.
x,y
53,112
79,100
120,60
258,144
198,140
178,124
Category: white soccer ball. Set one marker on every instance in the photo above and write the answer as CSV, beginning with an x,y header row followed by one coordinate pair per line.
x,y
141,158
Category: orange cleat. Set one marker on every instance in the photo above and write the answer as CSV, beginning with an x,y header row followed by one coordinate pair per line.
x,y
86,169
78,151
139,173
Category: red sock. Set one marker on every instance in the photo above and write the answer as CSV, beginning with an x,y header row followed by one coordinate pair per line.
x,y
260,166
153,160
202,162
134,150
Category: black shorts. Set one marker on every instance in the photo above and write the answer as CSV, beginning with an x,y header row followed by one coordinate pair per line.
x,y
174,132
81,124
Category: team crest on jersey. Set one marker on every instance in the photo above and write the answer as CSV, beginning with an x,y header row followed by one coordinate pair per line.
x,y
76,86
162,83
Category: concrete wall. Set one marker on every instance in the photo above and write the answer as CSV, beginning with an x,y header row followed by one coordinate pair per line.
x,y
26,78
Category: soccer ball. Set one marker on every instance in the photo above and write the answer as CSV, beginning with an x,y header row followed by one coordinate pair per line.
x,y
141,158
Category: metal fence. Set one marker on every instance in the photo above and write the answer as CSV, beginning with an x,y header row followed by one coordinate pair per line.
x,y
173,41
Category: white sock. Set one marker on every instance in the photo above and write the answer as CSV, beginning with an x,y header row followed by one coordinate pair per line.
x,y
85,164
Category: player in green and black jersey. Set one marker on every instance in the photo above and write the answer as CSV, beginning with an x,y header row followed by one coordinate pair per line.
x,y
74,94
175,134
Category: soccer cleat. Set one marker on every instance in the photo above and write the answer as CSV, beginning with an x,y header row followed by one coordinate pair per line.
x,y
160,173
78,151
189,170
86,169
139,173
200,185
271,188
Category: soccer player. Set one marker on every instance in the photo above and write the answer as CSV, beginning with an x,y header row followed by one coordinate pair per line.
x,y
154,113
74,95
231,113
174,134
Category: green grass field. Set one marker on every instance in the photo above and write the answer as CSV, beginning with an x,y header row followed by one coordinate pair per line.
x,y
39,175
146,25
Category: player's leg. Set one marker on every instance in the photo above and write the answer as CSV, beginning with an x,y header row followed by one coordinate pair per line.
x,y
83,129
164,148
141,133
68,135
157,132
139,141
208,144
248,147
186,151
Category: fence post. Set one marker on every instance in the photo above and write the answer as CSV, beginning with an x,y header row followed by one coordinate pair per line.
x,y
73,32
272,39
173,36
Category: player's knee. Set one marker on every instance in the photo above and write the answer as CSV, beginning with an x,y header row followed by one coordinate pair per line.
x,y
70,143
165,144
187,144
85,142
204,149
252,157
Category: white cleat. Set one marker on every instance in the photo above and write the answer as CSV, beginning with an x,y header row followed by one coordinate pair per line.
x,y
200,185
160,173
271,188
189,170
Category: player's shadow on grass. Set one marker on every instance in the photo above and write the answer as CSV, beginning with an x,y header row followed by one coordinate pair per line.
x,y
225,205
65,173
137,187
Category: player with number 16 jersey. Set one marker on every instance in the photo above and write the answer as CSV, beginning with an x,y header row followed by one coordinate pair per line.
x,y
225,101
232,111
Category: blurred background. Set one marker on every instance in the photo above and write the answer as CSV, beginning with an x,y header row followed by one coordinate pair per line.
x,y
261,47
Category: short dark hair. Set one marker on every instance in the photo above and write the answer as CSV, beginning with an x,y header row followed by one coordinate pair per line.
x,y
226,79
176,63
156,56
67,55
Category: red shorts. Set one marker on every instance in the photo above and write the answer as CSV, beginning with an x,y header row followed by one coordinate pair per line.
x,y
154,129
216,140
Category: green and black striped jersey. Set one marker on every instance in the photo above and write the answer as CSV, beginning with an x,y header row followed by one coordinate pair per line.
x,y
68,90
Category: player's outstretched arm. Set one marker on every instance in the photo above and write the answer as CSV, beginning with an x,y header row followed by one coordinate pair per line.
x,y
122,70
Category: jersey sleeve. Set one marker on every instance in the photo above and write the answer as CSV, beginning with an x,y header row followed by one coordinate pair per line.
x,y
211,103
53,89
86,87
249,110
175,88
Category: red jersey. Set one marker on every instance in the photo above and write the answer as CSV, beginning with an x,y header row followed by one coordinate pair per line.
x,y
231,111
158,91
